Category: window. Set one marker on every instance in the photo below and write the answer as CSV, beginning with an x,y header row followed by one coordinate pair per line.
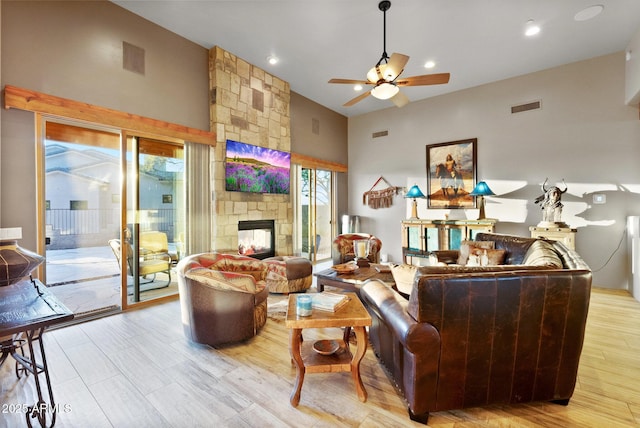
x,y
78,205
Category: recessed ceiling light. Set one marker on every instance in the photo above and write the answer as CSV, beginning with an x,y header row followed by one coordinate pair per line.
x,y
531,28
429,64
357,88
589,13
273,60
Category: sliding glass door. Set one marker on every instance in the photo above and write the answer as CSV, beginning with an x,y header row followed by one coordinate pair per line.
x,y
104,250
315,210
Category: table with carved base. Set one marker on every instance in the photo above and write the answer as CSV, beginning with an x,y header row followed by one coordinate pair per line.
x,y
352,315
26,310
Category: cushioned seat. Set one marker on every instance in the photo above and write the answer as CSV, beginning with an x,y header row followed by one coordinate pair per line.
x,y
147,266
288,274
223,297
342,248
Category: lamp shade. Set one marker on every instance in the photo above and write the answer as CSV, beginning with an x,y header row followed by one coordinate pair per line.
x,y
481,189
414,192
384,91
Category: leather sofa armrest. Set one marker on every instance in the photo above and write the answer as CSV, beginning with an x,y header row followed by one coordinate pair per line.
x,y
391,307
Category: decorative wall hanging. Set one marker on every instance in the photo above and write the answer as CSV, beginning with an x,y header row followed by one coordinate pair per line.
x,y
451,174
380,198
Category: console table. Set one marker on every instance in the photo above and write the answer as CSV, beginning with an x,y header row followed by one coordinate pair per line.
x,y
566,235
28,308
420,237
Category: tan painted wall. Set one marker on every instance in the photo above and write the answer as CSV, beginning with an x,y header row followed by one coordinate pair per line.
x,y
74,50
329,143
584,133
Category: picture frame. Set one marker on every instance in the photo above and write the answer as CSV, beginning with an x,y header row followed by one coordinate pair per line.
x,y
451,174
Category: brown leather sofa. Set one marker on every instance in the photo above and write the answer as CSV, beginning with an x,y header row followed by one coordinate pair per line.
x,y
470,337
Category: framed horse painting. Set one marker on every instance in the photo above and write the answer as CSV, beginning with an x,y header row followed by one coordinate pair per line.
x,y
451,174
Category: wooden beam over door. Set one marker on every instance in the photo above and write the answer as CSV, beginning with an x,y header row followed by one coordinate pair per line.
x,y
311,162
38,102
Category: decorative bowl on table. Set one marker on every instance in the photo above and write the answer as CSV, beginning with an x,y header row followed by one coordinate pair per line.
x,y
326,347
345,267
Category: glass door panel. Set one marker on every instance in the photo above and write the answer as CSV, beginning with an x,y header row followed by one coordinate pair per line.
x,y
155,217
81,195
316,212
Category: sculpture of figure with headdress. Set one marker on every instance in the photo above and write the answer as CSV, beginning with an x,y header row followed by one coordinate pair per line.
x,y
551,203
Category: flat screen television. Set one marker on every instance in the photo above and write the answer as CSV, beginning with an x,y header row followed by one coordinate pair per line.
x,y
254,169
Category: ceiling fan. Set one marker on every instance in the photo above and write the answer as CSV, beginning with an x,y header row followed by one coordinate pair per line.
x,y
384,75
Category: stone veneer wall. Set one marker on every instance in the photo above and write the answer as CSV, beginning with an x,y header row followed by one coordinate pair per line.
x,y
251,106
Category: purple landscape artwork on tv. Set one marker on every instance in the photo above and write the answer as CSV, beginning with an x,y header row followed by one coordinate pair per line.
x,y
256,169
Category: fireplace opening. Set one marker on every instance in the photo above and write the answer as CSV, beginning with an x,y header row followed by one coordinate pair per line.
x,y
257,238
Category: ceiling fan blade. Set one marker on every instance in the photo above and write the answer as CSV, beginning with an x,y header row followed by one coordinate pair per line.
x,y
395,66
427,79
357,99
351,81
400,99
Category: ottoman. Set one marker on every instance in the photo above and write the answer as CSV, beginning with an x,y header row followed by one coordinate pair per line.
x,y
288,274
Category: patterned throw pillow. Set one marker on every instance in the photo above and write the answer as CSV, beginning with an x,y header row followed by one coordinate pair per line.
x,y
495,257
542,253
464,249
403,276
223,280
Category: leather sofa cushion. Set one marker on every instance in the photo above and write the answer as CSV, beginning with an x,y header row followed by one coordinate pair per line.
x,y
516,246
542,253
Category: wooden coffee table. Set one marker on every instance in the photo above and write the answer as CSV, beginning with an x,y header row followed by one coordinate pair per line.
x,y
351,281
307,360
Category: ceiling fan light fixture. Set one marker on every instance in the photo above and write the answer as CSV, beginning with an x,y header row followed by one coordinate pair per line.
x,y
429,64
384,91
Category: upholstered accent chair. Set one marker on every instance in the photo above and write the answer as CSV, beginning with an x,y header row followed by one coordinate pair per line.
x,y
342,248
223,297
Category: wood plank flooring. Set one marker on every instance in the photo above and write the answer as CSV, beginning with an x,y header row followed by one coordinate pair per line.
x,y
136,369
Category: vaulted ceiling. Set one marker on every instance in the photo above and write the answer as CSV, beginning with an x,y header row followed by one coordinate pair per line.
x,y
477,41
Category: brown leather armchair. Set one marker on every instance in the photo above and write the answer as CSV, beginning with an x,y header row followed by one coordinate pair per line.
x,y
470,337
223,297
342,248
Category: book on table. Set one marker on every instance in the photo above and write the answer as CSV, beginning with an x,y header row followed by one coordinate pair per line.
x,y
327,301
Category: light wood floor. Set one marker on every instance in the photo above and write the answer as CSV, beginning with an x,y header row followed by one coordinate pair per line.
x,y
136,369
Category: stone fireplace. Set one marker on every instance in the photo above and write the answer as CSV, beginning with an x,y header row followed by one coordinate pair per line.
x,y
251,106
256,238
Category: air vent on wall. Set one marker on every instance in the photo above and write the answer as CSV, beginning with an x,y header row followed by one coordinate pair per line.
x,y
380,134
132,58
526,107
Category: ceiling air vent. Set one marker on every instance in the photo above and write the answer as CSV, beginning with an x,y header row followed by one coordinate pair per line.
x,y
526,107
380,134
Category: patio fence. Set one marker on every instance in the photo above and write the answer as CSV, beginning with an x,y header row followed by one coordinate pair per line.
x,y
94,227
